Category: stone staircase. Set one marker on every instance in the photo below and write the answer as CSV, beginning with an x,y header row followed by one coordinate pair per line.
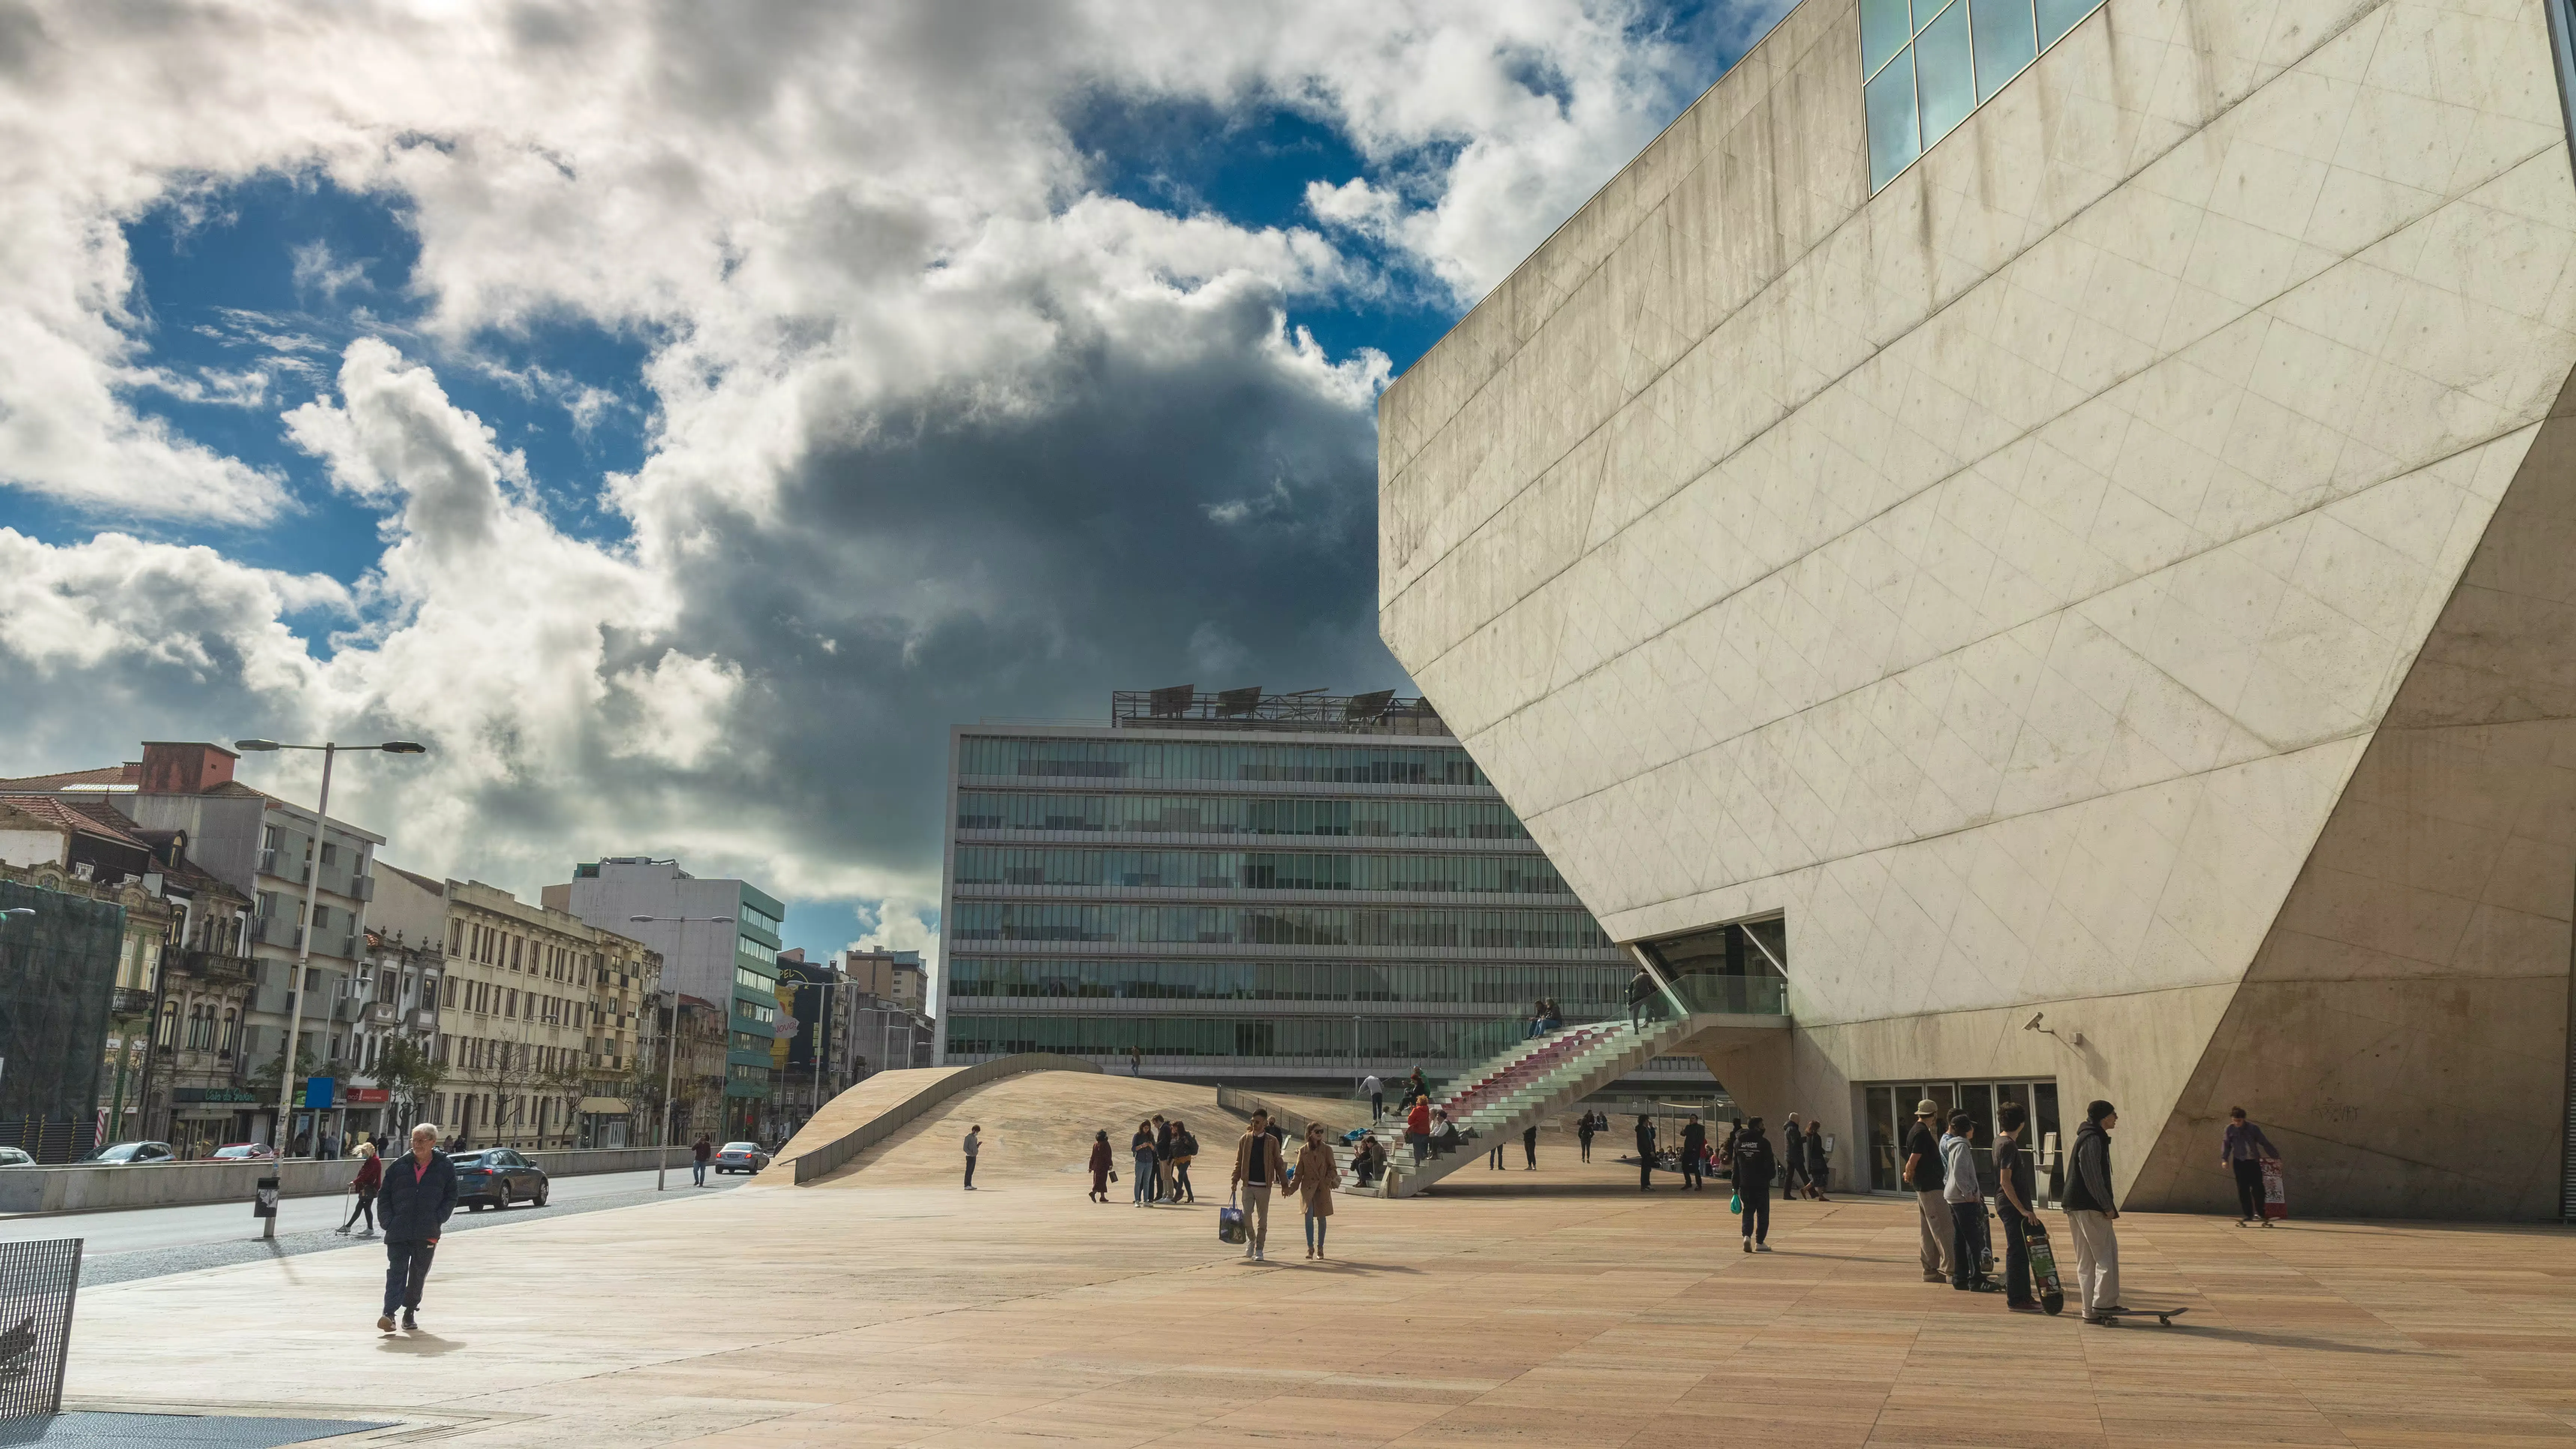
x,y
1516,1089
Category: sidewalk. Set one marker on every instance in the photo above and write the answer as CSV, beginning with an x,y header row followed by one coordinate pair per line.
x,y
887,1307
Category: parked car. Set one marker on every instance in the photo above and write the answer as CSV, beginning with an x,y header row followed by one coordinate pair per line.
x,y
241,1152
497,1177
132,1154
15,1157
741,1157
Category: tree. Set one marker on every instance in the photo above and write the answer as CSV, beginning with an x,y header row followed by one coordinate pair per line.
x,y
406,1071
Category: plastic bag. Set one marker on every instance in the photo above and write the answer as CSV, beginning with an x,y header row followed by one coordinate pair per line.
x,y
1735,1202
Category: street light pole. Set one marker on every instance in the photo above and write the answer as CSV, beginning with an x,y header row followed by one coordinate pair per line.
x,y
671,1038
304,936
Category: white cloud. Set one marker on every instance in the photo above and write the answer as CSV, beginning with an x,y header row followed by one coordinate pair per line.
x,y
934,426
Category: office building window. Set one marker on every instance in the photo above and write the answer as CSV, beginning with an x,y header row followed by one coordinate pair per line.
x,y
1926,64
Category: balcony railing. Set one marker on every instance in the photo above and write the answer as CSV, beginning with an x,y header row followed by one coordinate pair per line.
x,y
382,1013
130,1003
424,1019
216,968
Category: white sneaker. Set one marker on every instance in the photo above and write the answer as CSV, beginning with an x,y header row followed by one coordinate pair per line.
x,y
1247,1255
1260,1257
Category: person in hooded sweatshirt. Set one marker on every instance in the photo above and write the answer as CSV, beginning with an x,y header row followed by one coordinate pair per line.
x,y
1754,1164
2090,1213
1965,1194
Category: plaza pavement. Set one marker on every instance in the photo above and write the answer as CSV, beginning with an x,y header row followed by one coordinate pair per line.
x,y
1551,1308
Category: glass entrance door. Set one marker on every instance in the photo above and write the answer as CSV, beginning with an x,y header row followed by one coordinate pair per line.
x,y
1890,1110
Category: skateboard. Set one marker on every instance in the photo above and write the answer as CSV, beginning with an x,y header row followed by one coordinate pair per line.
x,y
2164,1317
2043,1266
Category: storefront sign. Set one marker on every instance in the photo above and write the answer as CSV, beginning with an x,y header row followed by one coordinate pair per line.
x,y
215,1094
367,1096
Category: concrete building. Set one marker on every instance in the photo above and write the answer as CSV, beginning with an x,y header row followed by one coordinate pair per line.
x,y
535,1014
735,964
1280,889
893,976
2074,519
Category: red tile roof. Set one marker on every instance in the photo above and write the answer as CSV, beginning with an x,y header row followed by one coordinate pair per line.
x,y
70,816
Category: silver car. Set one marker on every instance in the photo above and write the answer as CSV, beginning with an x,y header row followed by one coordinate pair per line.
x,y
741,1157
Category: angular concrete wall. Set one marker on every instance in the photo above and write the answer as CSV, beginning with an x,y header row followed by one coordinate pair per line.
x,y
2005,575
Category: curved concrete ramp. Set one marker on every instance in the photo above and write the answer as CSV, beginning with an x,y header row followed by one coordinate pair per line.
x,y
1037,1133
869,1112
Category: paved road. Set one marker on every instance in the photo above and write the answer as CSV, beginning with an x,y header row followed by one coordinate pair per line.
x,y
149,1242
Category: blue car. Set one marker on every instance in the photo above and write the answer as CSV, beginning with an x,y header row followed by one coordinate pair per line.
x,y
497,1177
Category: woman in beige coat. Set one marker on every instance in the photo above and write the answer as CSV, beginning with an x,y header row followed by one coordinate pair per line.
x,y
1316,1177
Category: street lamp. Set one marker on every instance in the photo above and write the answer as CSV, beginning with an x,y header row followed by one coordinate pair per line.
x,y
304,936
671,1038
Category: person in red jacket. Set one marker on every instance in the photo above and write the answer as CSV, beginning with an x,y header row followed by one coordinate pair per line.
x,y
371,1175
1417,1128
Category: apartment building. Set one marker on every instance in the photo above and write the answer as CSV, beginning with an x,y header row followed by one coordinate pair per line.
x,y
269,849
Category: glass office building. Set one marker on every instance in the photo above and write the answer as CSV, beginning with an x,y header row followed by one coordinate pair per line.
x,y
1288,890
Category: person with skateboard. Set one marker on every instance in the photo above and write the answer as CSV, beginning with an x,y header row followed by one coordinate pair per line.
x,y
2015,1186
2246,1151
2090,1213
1923,1179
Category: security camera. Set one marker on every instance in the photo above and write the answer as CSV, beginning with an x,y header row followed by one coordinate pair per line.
x,y
2036,1018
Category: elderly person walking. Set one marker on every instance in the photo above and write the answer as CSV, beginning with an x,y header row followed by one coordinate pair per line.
x,y
417,1198
1317,1176
371,1176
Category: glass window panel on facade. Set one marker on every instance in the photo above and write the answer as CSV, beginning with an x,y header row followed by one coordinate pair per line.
x,y
1895,135
1945,74
1927,66
2006,43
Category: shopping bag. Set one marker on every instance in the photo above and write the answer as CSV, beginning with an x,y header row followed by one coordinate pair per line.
x,y
1229,1224
2276,1199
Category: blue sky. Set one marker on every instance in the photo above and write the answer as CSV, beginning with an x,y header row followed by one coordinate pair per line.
x,y
1136,487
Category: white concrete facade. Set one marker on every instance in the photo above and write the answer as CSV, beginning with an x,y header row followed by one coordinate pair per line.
x,y
2122,568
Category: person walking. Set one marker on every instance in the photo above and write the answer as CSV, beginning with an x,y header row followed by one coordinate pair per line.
x,y
1135,1062
1645,1154
1162,1159
1184,1148
2016,1187
1140,1148
1315,1178
1922,1178
1753,1168
1257,1170
699,1152
1529,1148
417,1196
1816,1165
1694,1148
1494,1156
1417,1129
2244,1151
2090,1213
1793,1158
1641,990
974,1144
1375,1091
1100,1164
1724,1157
1965,1197
1583,1135
371,1174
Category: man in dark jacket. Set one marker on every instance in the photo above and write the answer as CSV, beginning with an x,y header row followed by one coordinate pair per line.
x,y
1754,1164
2090,1211
1645,1154
1641,996
418,1196
1694,1143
